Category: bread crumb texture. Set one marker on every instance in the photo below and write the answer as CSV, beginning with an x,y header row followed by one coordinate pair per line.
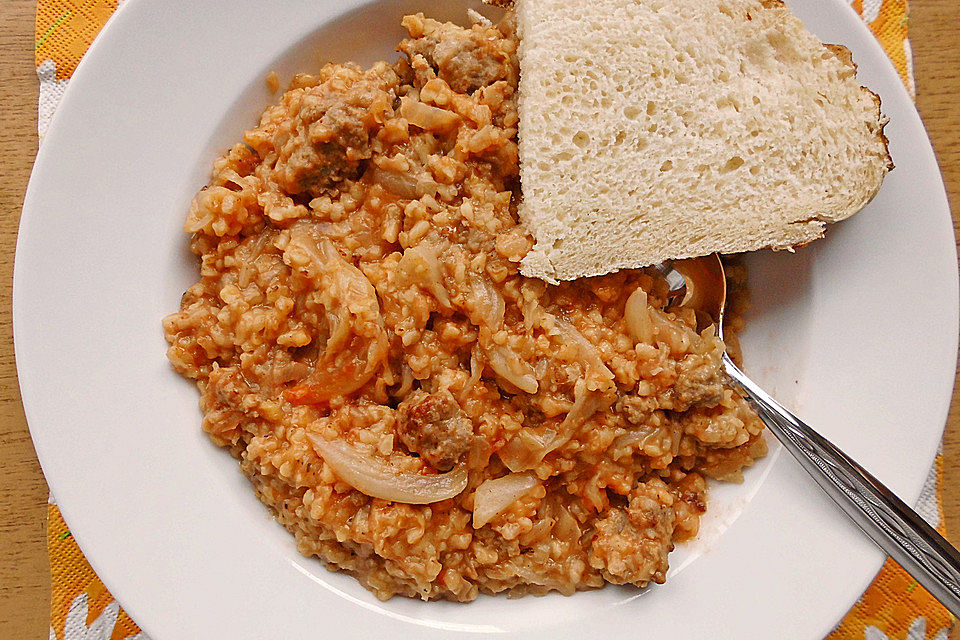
x,y
660,129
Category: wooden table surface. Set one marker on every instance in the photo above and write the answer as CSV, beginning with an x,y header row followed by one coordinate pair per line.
x,y
24,577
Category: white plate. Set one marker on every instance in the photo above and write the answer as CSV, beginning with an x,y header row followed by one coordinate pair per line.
x,y
858,332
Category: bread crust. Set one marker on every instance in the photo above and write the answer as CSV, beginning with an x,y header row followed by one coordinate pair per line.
x,y
656,235
846,57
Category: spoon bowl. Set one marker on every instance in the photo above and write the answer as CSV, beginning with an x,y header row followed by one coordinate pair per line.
x,y
700,283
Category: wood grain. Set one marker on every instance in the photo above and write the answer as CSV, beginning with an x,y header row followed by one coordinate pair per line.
x,y
24,576
935,37
24,573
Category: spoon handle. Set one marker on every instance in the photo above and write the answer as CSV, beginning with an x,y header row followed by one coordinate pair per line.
x,y
885,518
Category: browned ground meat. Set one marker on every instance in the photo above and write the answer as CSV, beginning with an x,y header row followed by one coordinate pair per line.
x,y
636,409
466,59
631,544
359,283
433,426
325,142
698,383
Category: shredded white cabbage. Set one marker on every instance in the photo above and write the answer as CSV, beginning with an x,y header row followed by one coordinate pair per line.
x,y
371,476
495,495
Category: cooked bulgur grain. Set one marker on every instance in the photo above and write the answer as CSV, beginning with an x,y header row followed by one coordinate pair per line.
x,y
360,300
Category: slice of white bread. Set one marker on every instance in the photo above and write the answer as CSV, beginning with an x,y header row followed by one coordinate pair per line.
x,y
659,129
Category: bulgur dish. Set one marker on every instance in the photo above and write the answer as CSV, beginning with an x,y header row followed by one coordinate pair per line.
x,y
409,406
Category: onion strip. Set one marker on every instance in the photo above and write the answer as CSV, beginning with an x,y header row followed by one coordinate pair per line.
x,y
495,495
377,479
420,265
637,314
357,342
508,365
589,354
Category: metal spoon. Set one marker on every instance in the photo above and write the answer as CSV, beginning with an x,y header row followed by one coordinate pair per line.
x,y
896,528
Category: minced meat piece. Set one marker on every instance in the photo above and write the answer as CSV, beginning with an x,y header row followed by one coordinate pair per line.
x,y
636,409
466,59
326,129
698,383
722,426
433,426
631,545
222,402
728,464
